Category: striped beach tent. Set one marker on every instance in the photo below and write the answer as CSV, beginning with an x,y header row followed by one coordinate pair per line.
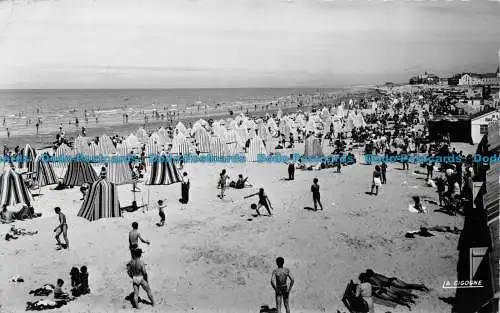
x,y
152,147
78,173
132,141
106,145
101,201
81,145
312,147
218,148
180,145
13,189
119,172
202,140
123,149
256,147
45,174
234,143
163,171
28,158
93,149
181,128
141,135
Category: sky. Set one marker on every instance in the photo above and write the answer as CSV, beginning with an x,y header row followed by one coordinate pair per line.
x,y
241,43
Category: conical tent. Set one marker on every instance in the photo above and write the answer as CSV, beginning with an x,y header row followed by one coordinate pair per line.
x,y
218,148
132,141
28,158
62,156
13,189
119,172
106,145
81,145
312,147
78,173
101,201
45,174
163,171
256,147
202,140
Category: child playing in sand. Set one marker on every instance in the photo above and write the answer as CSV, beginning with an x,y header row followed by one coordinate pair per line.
x,y
316,195
279,283
223,183
61,228
263,201
161,206
58,292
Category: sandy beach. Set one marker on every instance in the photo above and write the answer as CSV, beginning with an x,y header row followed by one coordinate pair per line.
x,y
211,258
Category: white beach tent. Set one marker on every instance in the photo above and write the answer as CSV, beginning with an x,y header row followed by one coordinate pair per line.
x,y
256,147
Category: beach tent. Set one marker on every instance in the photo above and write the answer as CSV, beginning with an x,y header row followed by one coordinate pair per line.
x,y
132,141
78,173
13,189
45,174
141,135
180,145
312,147
234,143
106,145
202,140
81,145
256,147
119,172
62,155
101,201
152,147
181,128
28,158
123,149
93,149
218,148
163,171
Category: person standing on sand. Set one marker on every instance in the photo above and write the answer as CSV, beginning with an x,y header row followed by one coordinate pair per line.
x,y
133,238
279,279
185,185
223,183
136,269
8,132
376,182
316,195
161,212
291,170
61,228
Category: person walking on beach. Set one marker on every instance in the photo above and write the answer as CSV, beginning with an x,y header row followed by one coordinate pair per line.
x,y
383,168
133,238
223,183
376,182
136,270
161,213
291,170
316,195
185,185
62,228
8,132
37,125
279,280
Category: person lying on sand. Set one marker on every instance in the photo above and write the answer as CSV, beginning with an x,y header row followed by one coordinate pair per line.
x,y
396,282
383,294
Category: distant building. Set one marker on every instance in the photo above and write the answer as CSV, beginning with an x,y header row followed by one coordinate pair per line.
x,y
429,79
454,80
479,123
472,79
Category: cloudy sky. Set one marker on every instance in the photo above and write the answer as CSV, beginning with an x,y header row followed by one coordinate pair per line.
x,y
241,43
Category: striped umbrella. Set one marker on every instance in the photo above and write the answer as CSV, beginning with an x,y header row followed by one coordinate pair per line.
x,y
101,201
163,172
45,174
13,189
78,173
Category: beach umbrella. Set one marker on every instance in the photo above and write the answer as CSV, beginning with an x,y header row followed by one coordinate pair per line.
x,y
13,189
101,201
45,174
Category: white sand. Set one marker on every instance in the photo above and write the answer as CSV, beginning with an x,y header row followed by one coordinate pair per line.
x,y
210,258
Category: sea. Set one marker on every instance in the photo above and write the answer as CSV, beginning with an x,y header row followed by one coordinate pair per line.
x,y
21,109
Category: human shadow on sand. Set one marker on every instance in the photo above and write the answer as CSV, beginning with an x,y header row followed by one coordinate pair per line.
x,y
266,309
130,298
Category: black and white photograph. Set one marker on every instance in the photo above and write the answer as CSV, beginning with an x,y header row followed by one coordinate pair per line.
x,y
266,156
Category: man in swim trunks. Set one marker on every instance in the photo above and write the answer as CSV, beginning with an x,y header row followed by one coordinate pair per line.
x,y
279,282
62,228
136,270
133,238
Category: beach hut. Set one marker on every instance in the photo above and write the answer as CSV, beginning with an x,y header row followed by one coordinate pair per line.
x,y
119,172
81,145
101,201
78,173
256,147
123,149
218,148
312,147
132,141
28,158
234,143
202,140
45,174
93,149
180,145
181,128
13,189
163,171
106,145
141,135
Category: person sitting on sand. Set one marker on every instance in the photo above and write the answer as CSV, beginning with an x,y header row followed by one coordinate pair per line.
x,y
279,279
136,269
62,228
396,282
58,292
240,183
134,236
84,281
75,281
418,204
263,201
364,291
